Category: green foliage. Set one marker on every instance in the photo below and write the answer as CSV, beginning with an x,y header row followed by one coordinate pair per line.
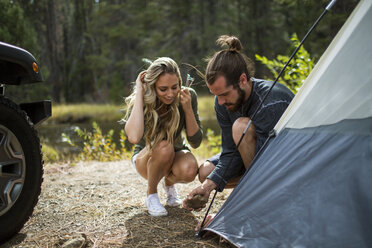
x,y
296,72
15,28
209,146
98,146
214,142
90,51
50,155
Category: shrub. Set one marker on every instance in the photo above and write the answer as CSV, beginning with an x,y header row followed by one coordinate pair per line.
x,y
296,72
98,146
50,155
209,146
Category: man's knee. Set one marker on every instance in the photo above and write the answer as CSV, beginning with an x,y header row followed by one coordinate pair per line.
x,y
238,128
204,170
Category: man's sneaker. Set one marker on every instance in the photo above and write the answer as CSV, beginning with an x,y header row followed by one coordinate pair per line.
x,y
154,206
172,195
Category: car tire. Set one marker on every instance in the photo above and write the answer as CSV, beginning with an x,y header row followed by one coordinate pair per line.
x,y
21,168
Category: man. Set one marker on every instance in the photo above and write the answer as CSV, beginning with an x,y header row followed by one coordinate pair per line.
x,y
237,96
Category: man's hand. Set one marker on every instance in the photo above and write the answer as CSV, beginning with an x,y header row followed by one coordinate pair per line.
x,y
206,223
204,190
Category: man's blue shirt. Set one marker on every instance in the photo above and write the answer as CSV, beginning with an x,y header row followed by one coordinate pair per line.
x,y
264,121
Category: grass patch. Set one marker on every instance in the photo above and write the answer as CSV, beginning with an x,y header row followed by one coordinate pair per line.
x,y
87,113
50,155
82,113
206,107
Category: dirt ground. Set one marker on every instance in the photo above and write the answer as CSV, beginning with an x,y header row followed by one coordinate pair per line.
x,y
95,204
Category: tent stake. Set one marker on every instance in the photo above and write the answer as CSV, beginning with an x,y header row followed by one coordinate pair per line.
x,y
328,8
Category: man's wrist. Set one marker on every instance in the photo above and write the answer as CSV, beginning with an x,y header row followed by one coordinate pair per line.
x,y
209,185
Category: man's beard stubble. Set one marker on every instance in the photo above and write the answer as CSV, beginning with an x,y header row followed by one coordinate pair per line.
x,y
239,102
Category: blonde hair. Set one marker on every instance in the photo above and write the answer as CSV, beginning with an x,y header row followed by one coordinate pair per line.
x,y
157,127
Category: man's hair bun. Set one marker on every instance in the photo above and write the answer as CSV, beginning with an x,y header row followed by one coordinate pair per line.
x,y
232,42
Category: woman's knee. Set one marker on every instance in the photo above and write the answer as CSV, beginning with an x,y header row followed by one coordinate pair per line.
x,y
185,167
238,128
189,169
163,151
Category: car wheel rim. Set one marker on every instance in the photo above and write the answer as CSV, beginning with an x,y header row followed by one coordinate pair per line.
x,y
12,169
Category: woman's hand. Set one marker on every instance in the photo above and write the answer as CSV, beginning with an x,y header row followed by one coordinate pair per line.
x,y
185,99
140,82
191,125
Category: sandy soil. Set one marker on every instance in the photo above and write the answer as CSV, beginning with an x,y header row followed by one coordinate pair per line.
x,y
96,204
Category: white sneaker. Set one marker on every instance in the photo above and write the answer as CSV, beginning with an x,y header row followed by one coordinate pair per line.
x,y
154,206
172,195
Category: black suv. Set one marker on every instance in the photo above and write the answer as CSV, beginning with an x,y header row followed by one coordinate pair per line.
x,y
21,162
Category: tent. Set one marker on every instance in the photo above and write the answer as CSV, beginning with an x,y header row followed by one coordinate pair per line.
x,y
312,185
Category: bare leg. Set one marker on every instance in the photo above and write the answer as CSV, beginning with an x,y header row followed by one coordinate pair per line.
x,y
247,147
155,165
205,169
183,170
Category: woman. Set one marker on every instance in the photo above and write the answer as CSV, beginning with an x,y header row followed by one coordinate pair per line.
x,y
159,109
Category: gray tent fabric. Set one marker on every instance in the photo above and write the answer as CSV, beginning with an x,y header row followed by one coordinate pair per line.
x,y
339,87
312,185
310,188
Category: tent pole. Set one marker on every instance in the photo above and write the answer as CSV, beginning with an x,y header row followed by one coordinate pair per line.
x,y
327,9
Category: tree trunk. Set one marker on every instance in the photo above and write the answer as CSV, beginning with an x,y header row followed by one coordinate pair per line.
x,y
53,47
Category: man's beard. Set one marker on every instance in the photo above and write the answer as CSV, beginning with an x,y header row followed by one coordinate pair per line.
x,y
239,102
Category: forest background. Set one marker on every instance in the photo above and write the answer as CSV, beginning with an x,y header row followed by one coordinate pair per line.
x,y
90,51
